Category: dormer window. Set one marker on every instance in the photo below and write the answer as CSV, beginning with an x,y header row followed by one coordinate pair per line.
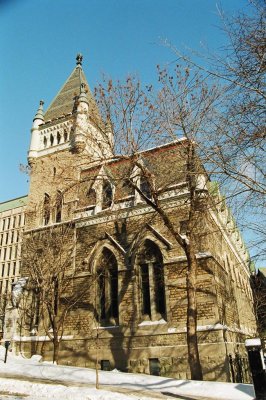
x,y
91,196
145,187
140,181
107,195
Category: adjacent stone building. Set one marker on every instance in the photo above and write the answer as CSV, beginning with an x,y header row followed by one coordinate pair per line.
x,y
120,253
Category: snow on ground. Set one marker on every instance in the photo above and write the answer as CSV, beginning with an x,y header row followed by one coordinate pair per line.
x,y
47,381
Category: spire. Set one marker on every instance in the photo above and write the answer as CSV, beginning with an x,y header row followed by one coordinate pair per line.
x,y
39,114
65,101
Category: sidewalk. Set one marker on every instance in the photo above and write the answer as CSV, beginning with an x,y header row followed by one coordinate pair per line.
x,y
12,382
47,379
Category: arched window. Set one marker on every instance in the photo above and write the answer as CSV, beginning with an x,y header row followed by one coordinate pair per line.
x,y
45,141
107,195
152,282
65,135
46,209
107,289
58,208
58,137
51,139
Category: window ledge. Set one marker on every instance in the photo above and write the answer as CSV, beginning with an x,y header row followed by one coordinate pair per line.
x,y
147,323
107,327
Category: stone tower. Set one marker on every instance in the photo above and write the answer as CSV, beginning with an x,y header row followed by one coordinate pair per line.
x,y
67,135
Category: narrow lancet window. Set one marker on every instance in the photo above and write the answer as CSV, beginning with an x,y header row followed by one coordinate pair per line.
x,y
51,140
152,282
46,209
107,289
59,202
58,137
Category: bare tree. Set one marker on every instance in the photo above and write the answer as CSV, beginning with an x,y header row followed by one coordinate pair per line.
x,y
3,304
184,107
239,134
54,285
258,283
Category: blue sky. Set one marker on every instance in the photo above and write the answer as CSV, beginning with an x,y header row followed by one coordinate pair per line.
x,y
39,40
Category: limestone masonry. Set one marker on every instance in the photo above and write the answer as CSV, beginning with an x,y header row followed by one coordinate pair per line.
x,y
117,273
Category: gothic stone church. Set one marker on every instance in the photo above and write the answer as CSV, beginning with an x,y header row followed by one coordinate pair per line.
x,y
127,273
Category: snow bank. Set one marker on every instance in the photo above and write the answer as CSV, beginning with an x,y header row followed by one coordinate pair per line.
x,y
75,382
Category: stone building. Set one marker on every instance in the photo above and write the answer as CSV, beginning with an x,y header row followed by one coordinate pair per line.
x,y
11,230
133,315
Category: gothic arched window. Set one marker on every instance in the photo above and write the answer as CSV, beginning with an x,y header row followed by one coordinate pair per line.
x,y
58,207
46,209
107,288
152,282
107,196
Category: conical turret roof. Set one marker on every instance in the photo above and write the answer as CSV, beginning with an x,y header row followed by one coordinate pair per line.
x,y
65,101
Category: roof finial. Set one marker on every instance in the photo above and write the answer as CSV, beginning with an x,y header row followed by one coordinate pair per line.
x,y
39,114
79,59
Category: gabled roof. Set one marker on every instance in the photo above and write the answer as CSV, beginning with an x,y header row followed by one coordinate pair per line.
x,y
65,100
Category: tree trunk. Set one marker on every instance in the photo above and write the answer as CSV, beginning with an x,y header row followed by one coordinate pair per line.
x,y
56,345
97,385
192,340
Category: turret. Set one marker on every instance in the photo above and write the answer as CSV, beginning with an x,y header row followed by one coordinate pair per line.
x,y
109,135
81,128
35,134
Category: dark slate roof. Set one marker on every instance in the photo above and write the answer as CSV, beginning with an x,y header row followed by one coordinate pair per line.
x,y
167,163
65,100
